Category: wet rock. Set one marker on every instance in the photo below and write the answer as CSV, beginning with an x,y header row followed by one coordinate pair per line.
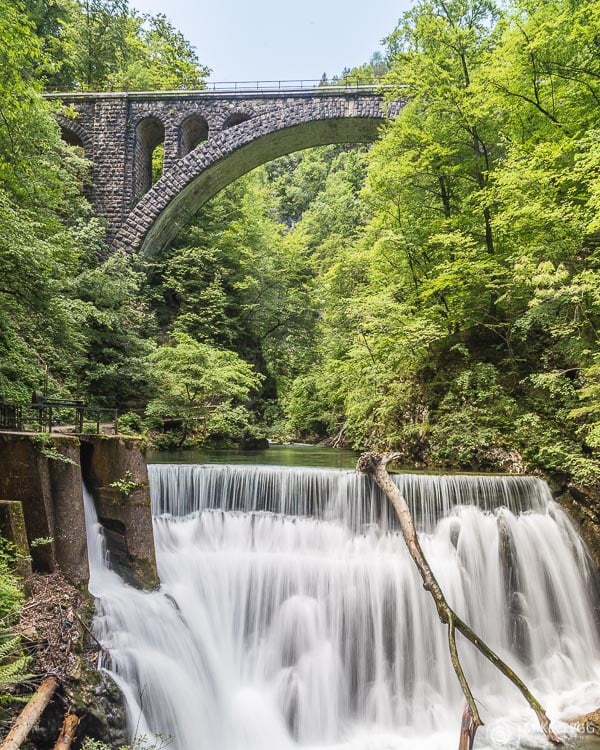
x,y
583,507
102,710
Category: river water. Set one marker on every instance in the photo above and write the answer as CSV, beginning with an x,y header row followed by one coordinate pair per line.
x,y
290,614
275,455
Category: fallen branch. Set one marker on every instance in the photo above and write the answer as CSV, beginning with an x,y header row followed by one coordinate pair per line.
x,y
67,733
101,648
375,464
467,731
30,715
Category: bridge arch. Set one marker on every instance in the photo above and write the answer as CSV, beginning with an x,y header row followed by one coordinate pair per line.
x,y
236,118
192,132
74,134
189,183
149,133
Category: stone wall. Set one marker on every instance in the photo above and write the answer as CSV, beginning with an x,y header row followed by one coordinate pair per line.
x,y
583,507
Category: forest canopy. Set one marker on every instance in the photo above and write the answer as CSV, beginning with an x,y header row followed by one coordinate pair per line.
x,y
437,293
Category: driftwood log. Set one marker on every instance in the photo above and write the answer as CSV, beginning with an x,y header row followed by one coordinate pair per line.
x,y
30,715
375,464
67,733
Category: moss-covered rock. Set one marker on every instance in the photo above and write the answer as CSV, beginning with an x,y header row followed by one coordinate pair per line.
x,y
583,506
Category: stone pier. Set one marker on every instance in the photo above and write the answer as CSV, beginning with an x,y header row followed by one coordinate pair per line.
x,y
45,474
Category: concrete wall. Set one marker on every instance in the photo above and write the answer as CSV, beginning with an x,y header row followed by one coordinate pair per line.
x,y
12,527
45,474
45,477
124,510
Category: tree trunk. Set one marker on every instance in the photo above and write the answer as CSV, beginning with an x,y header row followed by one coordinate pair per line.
x,y
30,715
375,464
67,733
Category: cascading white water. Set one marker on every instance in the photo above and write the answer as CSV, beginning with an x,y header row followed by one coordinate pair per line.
x,y
290,613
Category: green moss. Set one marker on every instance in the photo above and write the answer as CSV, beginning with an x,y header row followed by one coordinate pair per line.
x,y
146,575
47,446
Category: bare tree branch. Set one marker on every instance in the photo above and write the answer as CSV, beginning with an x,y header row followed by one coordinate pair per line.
x,y
375,464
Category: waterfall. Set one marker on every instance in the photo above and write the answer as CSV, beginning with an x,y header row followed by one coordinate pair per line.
x,y
334,495
290,613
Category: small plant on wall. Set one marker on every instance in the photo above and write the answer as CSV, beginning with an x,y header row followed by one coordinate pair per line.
x,y
49,449
126,485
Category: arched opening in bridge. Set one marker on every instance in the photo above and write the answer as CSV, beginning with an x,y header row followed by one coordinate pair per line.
x,y
75,140
193,131
232,278
149,154
235,119
70,137
154,223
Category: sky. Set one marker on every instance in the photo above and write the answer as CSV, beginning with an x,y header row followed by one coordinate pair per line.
x,y
265,40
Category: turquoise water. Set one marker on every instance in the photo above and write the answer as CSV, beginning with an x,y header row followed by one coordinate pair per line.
x,y
292,454
274,455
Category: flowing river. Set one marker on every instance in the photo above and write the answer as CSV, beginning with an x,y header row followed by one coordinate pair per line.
x,y
290,614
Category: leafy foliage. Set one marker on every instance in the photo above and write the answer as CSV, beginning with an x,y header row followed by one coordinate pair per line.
x,y
126,485
437,293
104,44
13,663
463,316
201,387
68,317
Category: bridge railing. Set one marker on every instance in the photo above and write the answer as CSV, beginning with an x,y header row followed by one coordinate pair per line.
x,y
300,84
343,84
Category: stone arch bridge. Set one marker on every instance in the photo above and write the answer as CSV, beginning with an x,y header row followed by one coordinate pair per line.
x,y
210,139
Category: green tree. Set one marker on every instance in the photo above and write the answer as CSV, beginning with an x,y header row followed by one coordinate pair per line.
x,y
158,57
232,280
116,333
97,41
64,314
45,224
469,296
202,388
104,44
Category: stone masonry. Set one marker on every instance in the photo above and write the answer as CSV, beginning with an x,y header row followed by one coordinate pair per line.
x,y
210,139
